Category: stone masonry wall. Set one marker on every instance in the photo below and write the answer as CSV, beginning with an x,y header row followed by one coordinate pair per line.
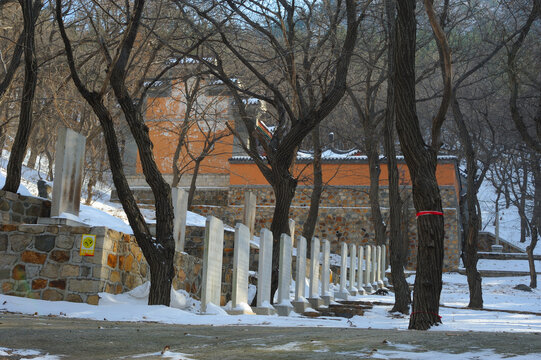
x,y
344,215
486,240
17,209
41,261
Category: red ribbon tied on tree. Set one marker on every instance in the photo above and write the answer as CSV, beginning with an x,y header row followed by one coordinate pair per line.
x,y
430,212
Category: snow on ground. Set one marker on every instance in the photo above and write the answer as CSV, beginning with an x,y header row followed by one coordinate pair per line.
x,y
498,294
509,218
102,212
507,265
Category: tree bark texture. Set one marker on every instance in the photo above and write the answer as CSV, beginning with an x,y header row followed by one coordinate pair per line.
x,y
421,160
284,191
317,187
374,173
397,240
18,150
191,192
473,219
536,221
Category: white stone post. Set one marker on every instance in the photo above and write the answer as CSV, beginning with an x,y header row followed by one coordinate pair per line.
x,y
373,280
314,299
68,172
283,306
241,262
384,265
352,267
326,294
360,272
368,269
300,304
264,306
180,208
291,225
380,267
250,205
212,263
343,293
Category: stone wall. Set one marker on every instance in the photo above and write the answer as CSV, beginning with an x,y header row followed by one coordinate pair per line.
x,y
41,261
486,240
17,209
344,215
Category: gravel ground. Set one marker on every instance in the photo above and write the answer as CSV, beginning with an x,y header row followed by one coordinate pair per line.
x,y
86,339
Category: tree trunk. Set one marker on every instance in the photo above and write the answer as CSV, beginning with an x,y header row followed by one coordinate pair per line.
x,y
193,187
472,220
18,150
50,165
311,221
529,250
374,173
284,191
92,180
31,164
397,242
421,160
536,220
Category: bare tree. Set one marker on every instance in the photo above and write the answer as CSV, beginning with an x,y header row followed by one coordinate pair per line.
x,y
524,127
159,250
397,239
293,66
18,150
421,160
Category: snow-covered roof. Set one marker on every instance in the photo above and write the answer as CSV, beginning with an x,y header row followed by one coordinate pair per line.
x,y
250,101
353,155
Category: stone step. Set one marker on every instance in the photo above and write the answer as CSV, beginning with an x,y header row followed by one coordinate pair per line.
x,y
505,256
499,273
344,309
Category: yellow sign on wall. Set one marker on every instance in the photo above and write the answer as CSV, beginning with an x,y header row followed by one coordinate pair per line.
x,y
88,243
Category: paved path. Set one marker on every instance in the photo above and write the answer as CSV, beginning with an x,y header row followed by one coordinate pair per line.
x,y
86,339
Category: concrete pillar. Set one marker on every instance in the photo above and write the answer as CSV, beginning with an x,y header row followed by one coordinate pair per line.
x,y
212,263
368,269
380,267
250,205
68,172
300,304
326,293
283,306
374,273
264,306
360,272
180,207
343,293
291,224
315,300
241,262
352,267
384,265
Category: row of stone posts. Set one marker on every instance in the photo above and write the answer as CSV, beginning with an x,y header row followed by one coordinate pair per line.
x,y
373,270
367,265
